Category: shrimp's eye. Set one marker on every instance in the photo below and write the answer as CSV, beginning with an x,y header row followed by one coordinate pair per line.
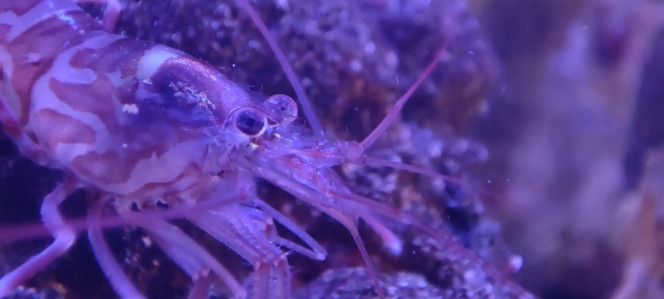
x,y
282,108
250,122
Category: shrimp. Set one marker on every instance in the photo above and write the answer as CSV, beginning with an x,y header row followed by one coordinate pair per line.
x,y
140,123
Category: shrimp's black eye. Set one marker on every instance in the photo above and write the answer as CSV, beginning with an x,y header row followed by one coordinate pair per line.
x,y
250,122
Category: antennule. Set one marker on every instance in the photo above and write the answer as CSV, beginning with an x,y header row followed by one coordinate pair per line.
x,y
398,106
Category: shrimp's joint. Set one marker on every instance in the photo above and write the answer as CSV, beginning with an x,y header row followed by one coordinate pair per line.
x,y
253,146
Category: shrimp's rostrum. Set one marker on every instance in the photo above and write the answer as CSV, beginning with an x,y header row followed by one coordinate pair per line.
x,y
138,123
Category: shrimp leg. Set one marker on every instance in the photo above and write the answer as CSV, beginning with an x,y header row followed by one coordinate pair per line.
x,y
186,253
64,239
249,237
120,282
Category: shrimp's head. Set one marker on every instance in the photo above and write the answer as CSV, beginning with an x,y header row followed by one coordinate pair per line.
x,y
198,104
180,101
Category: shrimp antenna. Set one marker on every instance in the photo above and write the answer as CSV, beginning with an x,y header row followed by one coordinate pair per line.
x,y
410,168
398,106
307,106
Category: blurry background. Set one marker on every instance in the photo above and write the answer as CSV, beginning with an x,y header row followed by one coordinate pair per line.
x,y
574,133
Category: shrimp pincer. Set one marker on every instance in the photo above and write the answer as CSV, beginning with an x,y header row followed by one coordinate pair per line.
x,y
139,125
